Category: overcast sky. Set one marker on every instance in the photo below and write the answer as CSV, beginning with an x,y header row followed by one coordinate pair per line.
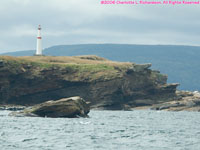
x,y
87,21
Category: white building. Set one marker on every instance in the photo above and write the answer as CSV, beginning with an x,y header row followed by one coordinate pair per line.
x,y
39,42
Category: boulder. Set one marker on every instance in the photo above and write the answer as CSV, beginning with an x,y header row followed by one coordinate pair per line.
x,y
64,108
141,67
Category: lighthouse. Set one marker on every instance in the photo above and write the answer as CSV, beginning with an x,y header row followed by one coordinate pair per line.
x,y
39,42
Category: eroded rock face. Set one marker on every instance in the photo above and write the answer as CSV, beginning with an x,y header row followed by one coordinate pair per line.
x,y
64,108
107,88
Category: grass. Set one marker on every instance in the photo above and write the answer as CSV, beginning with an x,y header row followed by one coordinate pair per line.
x,y
82,67
49,61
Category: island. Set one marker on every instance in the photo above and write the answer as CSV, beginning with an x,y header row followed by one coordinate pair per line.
x,y
103,84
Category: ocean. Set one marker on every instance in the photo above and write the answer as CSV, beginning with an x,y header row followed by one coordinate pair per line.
x,y
103,130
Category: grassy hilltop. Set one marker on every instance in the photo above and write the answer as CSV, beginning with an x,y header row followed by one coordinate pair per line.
x,y
83,67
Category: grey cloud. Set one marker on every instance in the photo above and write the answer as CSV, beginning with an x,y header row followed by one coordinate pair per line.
x,y
78,21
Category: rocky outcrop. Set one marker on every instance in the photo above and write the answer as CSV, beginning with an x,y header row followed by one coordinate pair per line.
x,y
64,108
103,83
187,101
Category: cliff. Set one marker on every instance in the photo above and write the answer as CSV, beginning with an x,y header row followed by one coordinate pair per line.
x,y
105,84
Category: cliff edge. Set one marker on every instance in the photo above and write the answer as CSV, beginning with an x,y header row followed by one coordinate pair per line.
x,y
105,84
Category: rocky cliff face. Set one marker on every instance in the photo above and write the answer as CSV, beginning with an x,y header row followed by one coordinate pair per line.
x,y
105,84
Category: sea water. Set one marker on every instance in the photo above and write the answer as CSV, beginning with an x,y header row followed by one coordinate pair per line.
x,y
103,130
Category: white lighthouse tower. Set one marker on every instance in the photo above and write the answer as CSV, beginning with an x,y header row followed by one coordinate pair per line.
x,y
39,42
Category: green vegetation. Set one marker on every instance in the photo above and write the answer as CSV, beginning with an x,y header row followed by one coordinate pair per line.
x,y
87,67
78,68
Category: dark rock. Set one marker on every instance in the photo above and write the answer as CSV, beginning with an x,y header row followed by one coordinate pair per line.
x,y
143,102
12,108
170,105
1,63
196,102
64,108
165,106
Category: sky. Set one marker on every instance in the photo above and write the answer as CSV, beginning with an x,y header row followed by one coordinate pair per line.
x,y
88,21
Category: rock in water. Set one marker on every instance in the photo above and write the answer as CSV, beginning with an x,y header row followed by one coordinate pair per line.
x,y
65,108
187,101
